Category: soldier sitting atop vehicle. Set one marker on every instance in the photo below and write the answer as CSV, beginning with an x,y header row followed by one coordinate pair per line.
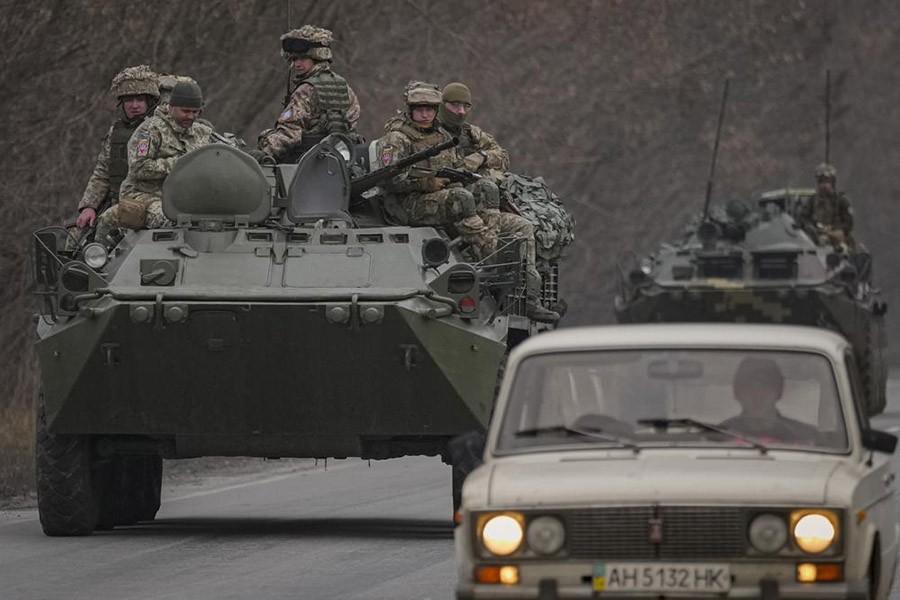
x,y
152,153
828,215
758,386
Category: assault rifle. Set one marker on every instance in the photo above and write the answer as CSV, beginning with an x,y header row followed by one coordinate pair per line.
x,y
370,180
457,175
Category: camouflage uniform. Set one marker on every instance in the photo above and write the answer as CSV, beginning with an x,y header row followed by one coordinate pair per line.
x,y
830,214
478,152
421,198
320,103
152,152
112,162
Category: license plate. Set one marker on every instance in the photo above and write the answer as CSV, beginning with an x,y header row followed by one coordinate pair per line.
x,y
661,577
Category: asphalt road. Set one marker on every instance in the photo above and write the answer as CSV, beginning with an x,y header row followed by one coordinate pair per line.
x,y
351,531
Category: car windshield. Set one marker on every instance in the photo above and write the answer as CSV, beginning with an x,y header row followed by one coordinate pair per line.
x,y
674,398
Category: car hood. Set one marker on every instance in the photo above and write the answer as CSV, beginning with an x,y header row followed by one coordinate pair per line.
x,y
749,479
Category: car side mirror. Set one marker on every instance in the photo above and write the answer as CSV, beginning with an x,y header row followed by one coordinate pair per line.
x,y
879,441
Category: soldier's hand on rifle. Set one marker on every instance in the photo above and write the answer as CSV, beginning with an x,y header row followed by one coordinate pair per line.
x,y
474,161
433,184
87,217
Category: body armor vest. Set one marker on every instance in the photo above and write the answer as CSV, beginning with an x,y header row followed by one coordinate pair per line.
x,y
118,153
333,103
421,140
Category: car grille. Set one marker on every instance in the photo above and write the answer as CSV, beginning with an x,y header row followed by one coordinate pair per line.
x,y
687,532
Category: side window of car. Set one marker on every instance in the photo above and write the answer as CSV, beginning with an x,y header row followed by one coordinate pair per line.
x,y
859,400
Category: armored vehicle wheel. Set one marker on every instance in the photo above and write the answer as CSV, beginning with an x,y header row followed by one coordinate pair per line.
x,y
128,490
65,481
873,368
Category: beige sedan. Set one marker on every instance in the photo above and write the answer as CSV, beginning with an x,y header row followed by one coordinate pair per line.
x,y
680,461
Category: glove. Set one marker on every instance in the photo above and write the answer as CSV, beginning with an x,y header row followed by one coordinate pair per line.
x,y
257,155
434,184
87,217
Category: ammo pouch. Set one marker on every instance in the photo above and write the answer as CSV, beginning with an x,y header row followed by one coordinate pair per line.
x,y
132,213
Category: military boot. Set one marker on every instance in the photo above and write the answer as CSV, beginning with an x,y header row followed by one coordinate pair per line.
x,y
534,310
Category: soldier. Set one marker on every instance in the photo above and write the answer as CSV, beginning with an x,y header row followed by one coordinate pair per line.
x,y
829,210
320,101
152,153
418,197
136,89
479,153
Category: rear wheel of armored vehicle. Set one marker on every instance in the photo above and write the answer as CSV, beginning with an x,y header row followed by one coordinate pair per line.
x,y
873,366
65,480
129,490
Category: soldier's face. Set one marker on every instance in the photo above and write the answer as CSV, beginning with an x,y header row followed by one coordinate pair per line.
x,y
423,115
303,64
134,106
460,109
185,117
826,186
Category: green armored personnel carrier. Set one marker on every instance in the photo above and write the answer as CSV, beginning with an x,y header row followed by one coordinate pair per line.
x,y
762,266
275,319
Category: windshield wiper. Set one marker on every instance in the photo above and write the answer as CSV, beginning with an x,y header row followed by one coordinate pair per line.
x,y
664,423
590,432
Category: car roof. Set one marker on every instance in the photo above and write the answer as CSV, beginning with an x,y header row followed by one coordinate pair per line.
x,y
685,335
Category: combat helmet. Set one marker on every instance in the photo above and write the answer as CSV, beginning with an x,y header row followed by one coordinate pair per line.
x,y
167,82
420,93
135,81
308,41
826,171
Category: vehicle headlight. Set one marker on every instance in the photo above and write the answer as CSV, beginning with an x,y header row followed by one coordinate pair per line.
x,y
814,532
95,256
546,535
768,533
502,534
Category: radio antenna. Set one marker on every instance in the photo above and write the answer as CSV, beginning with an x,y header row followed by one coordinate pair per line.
x,y
712,166
828,116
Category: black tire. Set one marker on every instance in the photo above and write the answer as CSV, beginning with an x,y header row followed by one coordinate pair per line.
x,y
874,367
150,486
65,490
129,490
874,571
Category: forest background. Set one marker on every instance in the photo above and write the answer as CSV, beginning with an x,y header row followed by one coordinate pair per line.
x,y
613,102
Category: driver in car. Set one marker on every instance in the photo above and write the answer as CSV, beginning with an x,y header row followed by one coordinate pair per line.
x,y
758,385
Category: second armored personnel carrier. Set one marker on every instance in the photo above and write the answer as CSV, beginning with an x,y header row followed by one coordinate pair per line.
x,y
763,266
273,319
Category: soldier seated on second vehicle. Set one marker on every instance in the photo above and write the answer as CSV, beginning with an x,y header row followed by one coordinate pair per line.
x,y
152,153
828,212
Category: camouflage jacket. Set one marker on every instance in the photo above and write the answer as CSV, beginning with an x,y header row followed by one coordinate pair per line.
x,y
300,115
831,211
98,185
475,140
154,148
402,138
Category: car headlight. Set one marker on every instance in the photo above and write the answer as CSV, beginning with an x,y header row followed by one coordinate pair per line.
x,y
546,535
95,256
502,534
814,532
768,533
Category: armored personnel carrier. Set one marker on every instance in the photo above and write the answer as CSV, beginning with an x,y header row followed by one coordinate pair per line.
x,y
762,266
275,319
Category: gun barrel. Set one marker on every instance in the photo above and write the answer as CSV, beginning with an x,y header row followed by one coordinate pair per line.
x,y
361,184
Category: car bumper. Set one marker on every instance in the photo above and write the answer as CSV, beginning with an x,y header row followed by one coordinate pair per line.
x,y
550,591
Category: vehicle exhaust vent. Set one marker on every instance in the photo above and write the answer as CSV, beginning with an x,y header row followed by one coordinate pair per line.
x,y
333,238
299,238
370,238
259,236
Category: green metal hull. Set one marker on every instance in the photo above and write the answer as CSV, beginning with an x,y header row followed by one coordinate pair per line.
x,y
271,379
